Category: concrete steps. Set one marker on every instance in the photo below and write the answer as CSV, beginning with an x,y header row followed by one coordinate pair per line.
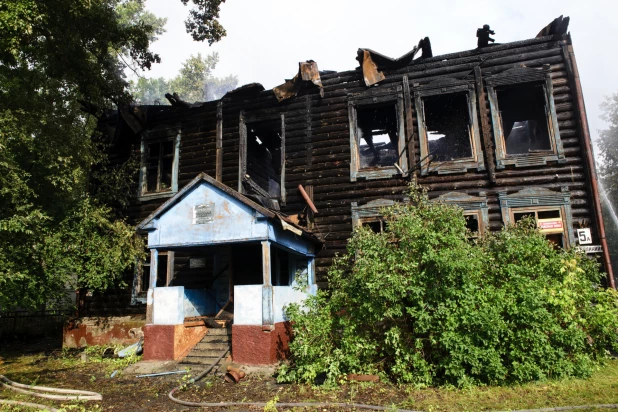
x,y
210,347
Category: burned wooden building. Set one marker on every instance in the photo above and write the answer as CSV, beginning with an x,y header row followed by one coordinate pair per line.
x,y
499,130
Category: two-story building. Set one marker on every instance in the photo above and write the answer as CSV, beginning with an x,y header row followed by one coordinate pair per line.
x,y
263,187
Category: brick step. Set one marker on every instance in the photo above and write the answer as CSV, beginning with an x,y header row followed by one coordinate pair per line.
x,y
197,360
216,346
212,353
219,332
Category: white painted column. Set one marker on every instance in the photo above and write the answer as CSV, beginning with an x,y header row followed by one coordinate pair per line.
x,y
267,288
152,281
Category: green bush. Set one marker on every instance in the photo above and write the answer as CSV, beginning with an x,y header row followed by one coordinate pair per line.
x,y
421,303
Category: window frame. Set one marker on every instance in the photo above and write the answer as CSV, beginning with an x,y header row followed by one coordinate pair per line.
x,y
538,199
243,121
476,205
370,212
366,101
514,77
147,138
443,87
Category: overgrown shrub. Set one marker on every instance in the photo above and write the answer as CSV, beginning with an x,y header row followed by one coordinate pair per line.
x,y
421,303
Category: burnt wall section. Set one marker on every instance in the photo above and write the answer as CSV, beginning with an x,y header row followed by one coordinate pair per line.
x,y
317,141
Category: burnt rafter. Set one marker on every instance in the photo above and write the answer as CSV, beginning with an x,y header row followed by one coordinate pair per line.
x,y
558,27
373,62
308,74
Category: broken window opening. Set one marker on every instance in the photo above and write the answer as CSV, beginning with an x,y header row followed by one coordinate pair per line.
x,y
447,121
473,224
264,156
159,165
523,114
144,274
378,136
161,270
376,225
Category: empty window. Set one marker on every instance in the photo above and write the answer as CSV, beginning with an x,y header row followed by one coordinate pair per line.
x,y
144,274
524,119
159,164
378,136
472,223
447,121
377,226
264,154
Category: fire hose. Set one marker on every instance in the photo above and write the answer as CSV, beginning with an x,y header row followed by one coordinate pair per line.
x,y
316,405
40,392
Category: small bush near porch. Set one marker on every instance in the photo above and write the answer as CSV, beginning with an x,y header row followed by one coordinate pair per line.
x,y
421,303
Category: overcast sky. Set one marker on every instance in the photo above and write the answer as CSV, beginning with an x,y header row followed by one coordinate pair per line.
x,y
267,38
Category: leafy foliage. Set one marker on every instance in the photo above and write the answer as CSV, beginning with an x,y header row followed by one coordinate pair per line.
x,y
422,304
202,23
195,82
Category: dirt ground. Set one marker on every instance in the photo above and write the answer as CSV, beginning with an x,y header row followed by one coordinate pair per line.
x,y
46,364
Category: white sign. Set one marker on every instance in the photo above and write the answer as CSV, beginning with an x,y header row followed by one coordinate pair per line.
x,y
584,237
203,214
195,263
591,249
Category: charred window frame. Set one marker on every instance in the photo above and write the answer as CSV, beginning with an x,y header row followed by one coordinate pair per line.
x,y
475,210
447,108
370,214
381,116
524,118
160,153
267,179
162,269
540,203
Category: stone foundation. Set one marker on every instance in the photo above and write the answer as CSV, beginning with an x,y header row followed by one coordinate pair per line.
x,y
258,345
87,331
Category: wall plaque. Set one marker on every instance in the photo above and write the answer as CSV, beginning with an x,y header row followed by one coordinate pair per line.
x,y
195,263
203,214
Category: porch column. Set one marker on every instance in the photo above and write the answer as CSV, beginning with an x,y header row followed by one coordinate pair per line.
x,y
152,281
267,288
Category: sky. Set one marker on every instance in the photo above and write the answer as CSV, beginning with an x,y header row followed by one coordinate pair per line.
x,y
267,38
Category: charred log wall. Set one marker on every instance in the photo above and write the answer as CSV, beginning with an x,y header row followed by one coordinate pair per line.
x,y
317,140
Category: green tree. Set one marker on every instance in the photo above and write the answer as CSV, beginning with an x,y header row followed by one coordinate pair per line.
x,y
195,82
421,303
55,233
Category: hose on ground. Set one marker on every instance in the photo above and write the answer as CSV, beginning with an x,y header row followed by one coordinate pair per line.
x,y
263,404
68,394
39,392
339,405
29,404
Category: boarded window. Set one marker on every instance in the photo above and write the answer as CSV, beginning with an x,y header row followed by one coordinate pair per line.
x,y
447,120
264,156
524,119
377,135
159,165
